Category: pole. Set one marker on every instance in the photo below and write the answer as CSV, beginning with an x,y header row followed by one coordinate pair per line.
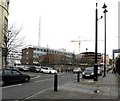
x,y
96,35
78,76
105,44
55,82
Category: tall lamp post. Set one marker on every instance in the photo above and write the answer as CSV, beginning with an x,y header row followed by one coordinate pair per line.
x,y
104,7
96,43
96,34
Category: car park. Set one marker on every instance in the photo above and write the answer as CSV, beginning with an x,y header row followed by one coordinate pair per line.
x,y
48,70
10,76
76,70
35,69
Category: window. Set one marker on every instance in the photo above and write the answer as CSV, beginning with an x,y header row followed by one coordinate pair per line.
x,y
5,24
7,72
27,52
15,72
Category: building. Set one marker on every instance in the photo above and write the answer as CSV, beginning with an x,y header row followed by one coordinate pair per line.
x,y
4,6
14,58
89,58
41,55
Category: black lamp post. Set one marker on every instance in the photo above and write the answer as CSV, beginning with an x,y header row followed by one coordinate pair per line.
x,y
104,7
96,34
96,43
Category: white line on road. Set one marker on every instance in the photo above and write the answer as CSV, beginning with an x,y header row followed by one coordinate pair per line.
x,y
37,93
36,77
12,86
44,80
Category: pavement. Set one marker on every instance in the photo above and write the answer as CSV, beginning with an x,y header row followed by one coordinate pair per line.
x,y
105,88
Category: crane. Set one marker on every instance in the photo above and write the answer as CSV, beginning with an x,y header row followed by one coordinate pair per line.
x,y
79,41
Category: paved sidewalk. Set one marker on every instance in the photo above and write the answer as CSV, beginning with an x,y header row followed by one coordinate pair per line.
x,y
105,88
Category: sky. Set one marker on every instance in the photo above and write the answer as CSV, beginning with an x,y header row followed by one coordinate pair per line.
x,y
61,21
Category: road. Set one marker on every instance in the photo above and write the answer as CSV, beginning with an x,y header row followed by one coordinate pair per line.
x,y
36,85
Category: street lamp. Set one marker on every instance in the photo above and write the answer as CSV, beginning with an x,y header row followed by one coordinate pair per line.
x,y
96,34
104,7
96,43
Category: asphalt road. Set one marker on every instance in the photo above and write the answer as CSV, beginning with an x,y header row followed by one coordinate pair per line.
x,y
36,85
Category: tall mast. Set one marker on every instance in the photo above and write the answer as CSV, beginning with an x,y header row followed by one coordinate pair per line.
x,y
39,32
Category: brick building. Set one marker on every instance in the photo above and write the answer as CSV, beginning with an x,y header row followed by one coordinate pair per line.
x,y
42,55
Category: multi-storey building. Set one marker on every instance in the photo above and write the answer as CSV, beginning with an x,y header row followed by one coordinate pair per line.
x,y
89,57
36,55
4,5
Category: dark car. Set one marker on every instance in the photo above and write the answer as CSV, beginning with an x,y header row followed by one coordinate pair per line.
x,y
23,68
35,69
88,73
8,76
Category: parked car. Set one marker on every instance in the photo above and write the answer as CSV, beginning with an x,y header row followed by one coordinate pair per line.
x,y
12,67
8,76
35,69
48,70
100,71
88,73
76,70
24,68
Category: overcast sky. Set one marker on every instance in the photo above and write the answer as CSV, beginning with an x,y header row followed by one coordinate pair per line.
x,y
64,20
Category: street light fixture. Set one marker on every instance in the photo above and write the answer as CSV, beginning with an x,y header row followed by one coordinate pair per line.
x,y
105,11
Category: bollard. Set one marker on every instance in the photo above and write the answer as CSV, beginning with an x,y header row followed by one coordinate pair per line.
x,y
55,82
95,78
78,77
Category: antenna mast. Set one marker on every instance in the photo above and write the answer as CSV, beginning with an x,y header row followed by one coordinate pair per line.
x,y
39,32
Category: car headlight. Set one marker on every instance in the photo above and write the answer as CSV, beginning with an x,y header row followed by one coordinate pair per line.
x,y
92,73
37,69
83,73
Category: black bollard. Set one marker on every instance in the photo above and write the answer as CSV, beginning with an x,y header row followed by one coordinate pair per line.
x,y
55,82
78,77
95,78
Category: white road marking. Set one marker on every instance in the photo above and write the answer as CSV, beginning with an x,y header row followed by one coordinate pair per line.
x,y
36,77
37,93
12,86
44,80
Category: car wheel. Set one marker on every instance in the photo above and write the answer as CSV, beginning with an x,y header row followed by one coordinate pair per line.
x,y
2,83
27,79
50,72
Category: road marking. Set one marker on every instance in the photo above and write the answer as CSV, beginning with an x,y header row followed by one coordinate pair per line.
x,y
12,86
35,77
44,80
37,93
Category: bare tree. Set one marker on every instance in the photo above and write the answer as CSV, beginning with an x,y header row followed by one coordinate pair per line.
x,y
12,42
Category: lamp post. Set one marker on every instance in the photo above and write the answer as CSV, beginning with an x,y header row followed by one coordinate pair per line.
x,y
96,43
104,7
96,34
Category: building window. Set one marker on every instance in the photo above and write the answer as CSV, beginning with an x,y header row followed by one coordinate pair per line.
x,y
5,24
27,52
